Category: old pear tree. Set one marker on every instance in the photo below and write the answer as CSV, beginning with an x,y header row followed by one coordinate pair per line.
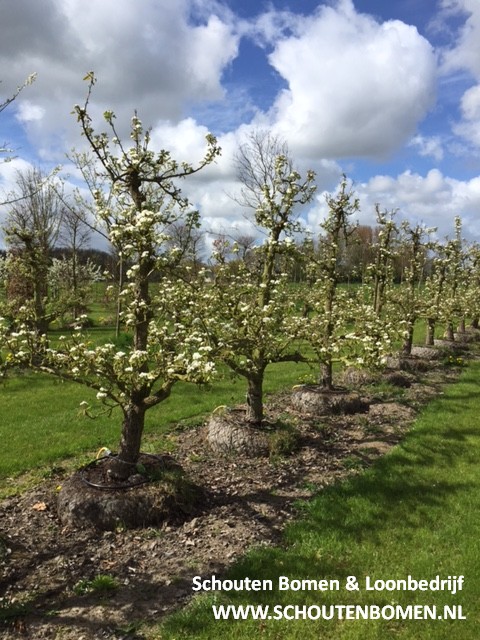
x,y
138,201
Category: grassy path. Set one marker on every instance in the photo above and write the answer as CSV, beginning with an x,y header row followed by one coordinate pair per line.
x,y
416,512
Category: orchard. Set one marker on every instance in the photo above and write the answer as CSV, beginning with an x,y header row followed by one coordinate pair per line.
x,y
241,311
340,307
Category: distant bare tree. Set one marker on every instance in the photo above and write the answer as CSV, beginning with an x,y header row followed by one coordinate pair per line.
x,y
246,243
188,239
32,227
75,235
76,231
255,165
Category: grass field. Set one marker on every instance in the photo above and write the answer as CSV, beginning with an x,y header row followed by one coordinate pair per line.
x,y
416,512
42,424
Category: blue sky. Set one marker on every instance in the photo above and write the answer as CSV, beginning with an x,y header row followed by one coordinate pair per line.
x,y
387,92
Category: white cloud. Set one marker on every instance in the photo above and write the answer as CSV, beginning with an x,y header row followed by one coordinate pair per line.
x,y
29,112
471,103
355,87
273,25
185,140
469,127
433,200
465,56
466,52
428,146
8,172
149,55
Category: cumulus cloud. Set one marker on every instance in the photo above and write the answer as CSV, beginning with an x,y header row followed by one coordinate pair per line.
x,y
149,55
351,87
469,126
29,112
8,173
433,200
355,87
465,56
428,146
466,52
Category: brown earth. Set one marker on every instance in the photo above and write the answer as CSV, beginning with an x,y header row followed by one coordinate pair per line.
x,y
45,566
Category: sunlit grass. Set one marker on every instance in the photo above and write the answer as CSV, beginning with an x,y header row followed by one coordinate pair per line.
x,y
42,422
415,512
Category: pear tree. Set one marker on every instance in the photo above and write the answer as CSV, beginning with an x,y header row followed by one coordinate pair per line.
x,y
434,291
325,303
454,296
473,289
408,297
446,291
253,323
380,270
168,341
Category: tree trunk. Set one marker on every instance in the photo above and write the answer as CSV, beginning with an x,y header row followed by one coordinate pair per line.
x,y
449,333
430,336
326,368
475,323
123,465
119,298
76,309
39,292
408,343
255,399
326,375
134,411
461,326
378,294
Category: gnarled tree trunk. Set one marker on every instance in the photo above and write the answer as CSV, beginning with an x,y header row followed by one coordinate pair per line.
x,y
255,399
123,465
326,375
408,342
449,333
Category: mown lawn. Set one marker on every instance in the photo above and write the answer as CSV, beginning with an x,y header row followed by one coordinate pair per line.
x,y
41,423
415,512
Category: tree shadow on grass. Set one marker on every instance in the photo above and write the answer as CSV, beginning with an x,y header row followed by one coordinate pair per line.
x,y
367,507
397,488
409,480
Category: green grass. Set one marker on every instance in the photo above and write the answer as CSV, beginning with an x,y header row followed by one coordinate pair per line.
x,y
101,584
415,512
41,423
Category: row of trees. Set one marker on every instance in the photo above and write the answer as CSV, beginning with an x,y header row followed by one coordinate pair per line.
x,y
46,239
241,309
